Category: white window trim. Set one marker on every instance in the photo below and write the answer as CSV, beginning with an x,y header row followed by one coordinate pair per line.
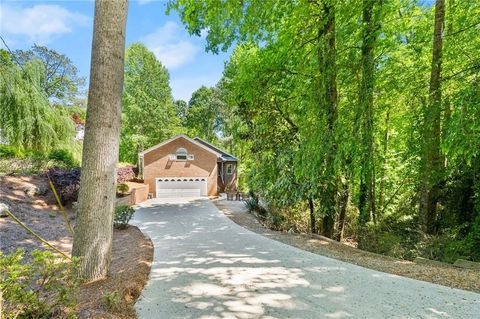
x,y
232,169
181,151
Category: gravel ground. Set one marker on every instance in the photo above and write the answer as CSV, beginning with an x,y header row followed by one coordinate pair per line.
x,y
206,266
446,275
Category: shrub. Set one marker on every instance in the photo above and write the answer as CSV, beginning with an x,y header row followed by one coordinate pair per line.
x,y
43,287
63,157
275,221
67,183
473,240
9,151
112,301
450,245
122,188
251,204
395,235
125,174
123,214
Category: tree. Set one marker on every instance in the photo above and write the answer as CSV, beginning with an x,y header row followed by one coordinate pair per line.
x,y
92,240
328,108
182,109
432,166
27,121
296,26
60,80
203,117
149,115
312,88
370,26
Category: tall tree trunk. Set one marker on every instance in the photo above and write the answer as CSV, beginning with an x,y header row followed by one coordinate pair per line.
x,y
432,166
447,107
94,224
328,70
343,206
386,138
313,222
367,206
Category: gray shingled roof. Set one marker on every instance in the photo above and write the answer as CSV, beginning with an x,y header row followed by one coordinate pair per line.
x,y
226,157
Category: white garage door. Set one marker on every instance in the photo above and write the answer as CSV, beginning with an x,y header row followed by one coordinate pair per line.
x,y
168,187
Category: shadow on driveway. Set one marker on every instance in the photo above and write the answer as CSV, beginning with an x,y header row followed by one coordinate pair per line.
x,y
205,266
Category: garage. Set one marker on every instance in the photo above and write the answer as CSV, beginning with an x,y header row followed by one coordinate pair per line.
x,y
168,187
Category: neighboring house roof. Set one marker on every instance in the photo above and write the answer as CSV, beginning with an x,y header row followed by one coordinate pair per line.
x,y
177,137
225,156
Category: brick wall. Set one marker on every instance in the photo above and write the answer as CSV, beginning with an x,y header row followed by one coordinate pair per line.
x,y
157,164
123,201
139,192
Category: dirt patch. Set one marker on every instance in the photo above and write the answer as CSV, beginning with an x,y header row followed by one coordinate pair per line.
x,y
131,256
446,275
38,212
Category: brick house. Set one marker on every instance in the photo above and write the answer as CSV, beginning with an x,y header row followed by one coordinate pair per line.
x,y
182,166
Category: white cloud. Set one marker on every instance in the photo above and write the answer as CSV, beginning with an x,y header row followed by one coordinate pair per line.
x,y
39,23
171,45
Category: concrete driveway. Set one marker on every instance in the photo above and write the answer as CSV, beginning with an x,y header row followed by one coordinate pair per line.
x,y
205,266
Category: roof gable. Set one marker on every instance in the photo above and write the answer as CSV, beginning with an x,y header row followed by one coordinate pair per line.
x,y
224,155
218,154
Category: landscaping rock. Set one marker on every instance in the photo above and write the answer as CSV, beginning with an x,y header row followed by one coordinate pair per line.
x,y
421,260
35,191
30,190
467,264
41,191
3,210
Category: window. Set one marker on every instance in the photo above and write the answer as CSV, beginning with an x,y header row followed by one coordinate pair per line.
x,y
181,154
230,169
191,157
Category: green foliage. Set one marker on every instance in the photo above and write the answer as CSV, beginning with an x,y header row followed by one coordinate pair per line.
x,y
63,157
204,117
45,286
60,80
9,151
112,301
148,115
122,188
123,214
472,240
270,110
251,204
181,108
27,120
16,161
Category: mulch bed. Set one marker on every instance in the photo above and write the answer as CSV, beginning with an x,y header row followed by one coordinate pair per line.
x,y
131,256
446,275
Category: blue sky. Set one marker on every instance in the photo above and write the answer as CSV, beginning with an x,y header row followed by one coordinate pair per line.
x,y
66,26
